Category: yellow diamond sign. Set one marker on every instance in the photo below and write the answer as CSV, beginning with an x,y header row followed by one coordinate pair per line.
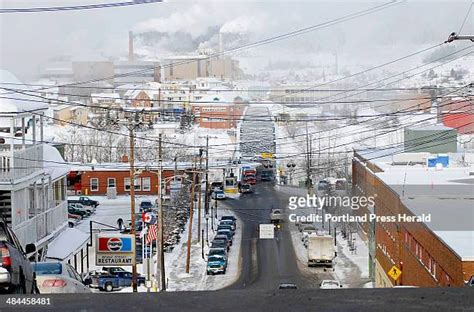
x,y
394,273
267,155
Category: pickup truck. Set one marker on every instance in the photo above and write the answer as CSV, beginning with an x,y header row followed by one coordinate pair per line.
x,y
84,200
109,282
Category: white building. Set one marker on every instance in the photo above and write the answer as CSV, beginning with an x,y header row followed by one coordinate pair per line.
x,y
32,174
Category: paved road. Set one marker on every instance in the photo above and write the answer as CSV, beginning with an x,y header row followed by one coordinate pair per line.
x,y
416,299
267,263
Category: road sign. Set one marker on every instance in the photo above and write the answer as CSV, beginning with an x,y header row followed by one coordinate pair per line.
x,y
266,155
394,273
114,249
267,231
149,218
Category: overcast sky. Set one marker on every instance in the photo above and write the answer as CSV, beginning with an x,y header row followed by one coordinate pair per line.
x,y
29,40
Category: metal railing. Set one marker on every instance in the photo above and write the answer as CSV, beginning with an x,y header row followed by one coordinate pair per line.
x,y
41,225
25,161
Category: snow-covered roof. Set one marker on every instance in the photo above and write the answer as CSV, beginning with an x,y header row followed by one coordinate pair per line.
x,y
66,243
451,220
436,127
186,57
106,95
54,163
215,99
447,194
129,86
16,102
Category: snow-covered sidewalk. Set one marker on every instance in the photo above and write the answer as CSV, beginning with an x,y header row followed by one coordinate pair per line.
x,y
197,279
352,267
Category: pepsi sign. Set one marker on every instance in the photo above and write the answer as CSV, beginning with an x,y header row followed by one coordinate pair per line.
x,y
114,249
117,244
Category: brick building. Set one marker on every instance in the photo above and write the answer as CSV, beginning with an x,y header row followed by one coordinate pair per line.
x,y
217,112
98,179
430,253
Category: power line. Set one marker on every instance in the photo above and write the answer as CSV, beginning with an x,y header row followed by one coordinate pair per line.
x,y
465,18
112,165
78,7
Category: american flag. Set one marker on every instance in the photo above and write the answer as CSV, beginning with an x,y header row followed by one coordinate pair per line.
x,y
152,233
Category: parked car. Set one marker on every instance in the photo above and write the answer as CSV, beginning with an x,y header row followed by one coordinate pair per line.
x,y
16,273
226,227
75,211
217,252
228,222
219,243
87,209
229,242
86,201
218,195
324,185
229,217
226,232
216,264
58,278
330,284
109,282
146,205
308,230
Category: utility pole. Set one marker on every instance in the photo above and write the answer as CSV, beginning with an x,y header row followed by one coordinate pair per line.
x,y
206,195
135,123
199,194
161,254
308,161
190,229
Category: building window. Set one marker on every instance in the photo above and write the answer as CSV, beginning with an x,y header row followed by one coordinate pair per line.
x,y
138,184
94,184
146,184
111,182
126,184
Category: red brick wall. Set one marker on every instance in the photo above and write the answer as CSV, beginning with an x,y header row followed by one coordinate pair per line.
x,y
119,176
399,244
230,116
396,242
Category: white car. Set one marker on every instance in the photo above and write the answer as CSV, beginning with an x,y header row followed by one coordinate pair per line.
x,y
58,278
330,284
218,195
87,209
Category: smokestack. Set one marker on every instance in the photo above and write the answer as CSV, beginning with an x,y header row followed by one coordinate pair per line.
x,y
221,46
130,46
